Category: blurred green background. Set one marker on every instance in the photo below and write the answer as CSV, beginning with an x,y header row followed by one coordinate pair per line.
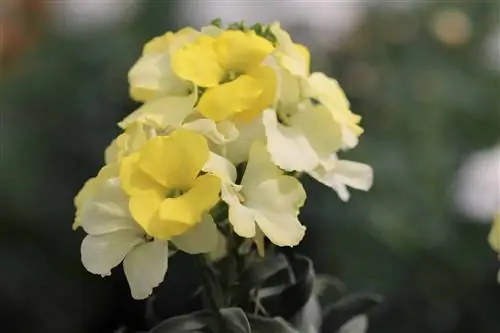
x,y
422,80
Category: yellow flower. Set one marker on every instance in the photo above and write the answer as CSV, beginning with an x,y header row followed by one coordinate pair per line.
x,y
167,194
151,76
230,67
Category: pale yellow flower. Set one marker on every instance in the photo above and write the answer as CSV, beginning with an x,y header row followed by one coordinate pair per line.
x,y
152,76
266,199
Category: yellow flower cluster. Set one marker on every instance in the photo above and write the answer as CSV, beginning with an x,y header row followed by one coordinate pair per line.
x,y
228,115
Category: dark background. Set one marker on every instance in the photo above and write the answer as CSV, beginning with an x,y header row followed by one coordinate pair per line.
x,y
428,99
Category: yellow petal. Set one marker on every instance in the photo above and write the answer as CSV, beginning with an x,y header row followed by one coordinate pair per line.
x,y
241,51
144,206
268,82
494,236
177,215
174,161
133,180
197,62
159,44
231,98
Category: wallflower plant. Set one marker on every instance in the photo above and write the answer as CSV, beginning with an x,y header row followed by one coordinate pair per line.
x,y
210,165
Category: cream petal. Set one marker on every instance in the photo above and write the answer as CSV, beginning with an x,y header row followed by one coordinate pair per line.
x,y
281,229
202,238
323,133
152,76
289,148
220,167
219,133
162,112
237,150
101,253
276,203
107,210
259,167
145,267
340,174
241,218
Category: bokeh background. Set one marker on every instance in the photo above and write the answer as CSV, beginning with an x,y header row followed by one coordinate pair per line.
x,y
423,74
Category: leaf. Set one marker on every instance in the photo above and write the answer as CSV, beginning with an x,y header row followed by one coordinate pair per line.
x,y
296,293
270,325
358,324
349,307
192,323
236,320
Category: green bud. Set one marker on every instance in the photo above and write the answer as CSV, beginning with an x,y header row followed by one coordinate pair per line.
x,y
217,22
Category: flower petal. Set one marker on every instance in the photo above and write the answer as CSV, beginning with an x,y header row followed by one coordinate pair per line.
x,y
241,51
202,238
237,151
152,77
197,62
228,99
283,194
494,236
259,167
107,210
276,204
322,132
177,215
289,148
220,167
281,229
219,133
241,218
144,207
162,112
90,187
145,267
267,79
342,173
133,180
174,160
101,253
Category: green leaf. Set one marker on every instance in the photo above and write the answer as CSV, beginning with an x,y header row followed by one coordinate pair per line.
x,y
191,323
270,325
295,293
338,314
235,321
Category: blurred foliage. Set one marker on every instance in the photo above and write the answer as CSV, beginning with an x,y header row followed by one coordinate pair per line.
x,y
426,104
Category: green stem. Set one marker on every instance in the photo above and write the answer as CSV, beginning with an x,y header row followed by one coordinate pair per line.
x,y
211,292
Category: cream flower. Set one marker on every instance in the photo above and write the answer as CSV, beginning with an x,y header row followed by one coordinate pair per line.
x,y
338,174
266,199
152,76
115,237
291,56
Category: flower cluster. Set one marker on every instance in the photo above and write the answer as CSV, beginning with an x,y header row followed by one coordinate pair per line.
x,y
229,119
